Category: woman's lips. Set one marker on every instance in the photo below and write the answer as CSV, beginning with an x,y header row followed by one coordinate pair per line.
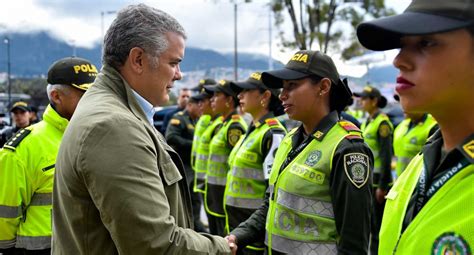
x,y
403,84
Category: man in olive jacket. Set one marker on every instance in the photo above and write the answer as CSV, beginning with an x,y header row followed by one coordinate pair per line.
x,y
119,188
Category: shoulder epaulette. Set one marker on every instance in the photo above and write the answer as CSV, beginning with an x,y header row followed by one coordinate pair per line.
x,y
180,113
349,126
15,140
236,117
272,122
175,121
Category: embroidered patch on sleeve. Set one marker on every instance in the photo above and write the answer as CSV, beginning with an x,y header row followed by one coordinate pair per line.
x,y
356,166
384,130
233,136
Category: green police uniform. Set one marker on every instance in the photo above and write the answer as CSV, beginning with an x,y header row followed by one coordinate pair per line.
x,y
430,208
201,126
409,138
202,152
250,163
320,194
216,176
26,179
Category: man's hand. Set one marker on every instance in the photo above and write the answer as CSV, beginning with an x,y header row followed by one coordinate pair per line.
x,y
232,242
380,195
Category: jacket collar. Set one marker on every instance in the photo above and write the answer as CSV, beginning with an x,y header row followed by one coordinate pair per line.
x,y
53,118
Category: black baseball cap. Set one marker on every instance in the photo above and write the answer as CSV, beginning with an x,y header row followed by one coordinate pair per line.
x,y
303,64
202,82
253,82
77,72
420,18
372,92
20,105
224,87
203,95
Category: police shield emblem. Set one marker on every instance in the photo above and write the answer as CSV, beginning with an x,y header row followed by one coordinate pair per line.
x,y
313,158
356,166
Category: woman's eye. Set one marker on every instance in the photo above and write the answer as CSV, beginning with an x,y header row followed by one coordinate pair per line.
x,y
426,43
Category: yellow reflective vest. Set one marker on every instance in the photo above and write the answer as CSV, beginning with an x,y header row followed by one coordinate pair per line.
x,y
26,182
407,143
445,223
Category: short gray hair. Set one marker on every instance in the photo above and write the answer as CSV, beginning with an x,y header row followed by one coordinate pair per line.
x,y
65,89
138,26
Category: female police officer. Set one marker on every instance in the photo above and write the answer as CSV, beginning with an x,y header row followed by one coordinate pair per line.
x,y
429,209
223,102
320,194
252,158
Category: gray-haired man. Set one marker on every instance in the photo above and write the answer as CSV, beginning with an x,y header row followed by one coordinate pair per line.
x,y
119,188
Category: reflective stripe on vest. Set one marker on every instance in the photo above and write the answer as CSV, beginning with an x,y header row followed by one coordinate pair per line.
x,y
33,242
42,199
304,204
283,244
5,244
248,203
248,173
10,211
215,180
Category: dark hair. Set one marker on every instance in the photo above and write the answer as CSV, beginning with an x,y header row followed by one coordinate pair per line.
x,y
339,96
471,29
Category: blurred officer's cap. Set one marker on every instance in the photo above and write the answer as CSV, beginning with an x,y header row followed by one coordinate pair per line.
x,y
420,18
253,82
20,105
73,71
224,87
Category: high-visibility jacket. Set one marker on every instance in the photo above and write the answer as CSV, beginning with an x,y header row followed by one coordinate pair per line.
x,y
217,167
370,133
26,182
407,143
201,125
202,154
301,216
444,224
246,182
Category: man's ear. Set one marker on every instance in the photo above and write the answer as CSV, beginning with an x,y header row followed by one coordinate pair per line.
x,y
136,59
55,97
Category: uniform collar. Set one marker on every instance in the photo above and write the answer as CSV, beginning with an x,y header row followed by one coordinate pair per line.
x,y
52,117
146,106
434,145
230,116
320,131
261,121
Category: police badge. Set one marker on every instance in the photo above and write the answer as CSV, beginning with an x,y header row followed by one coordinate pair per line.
x,y
313,158
356,166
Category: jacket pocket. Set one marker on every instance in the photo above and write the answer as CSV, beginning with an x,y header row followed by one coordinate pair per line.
x,y
170,173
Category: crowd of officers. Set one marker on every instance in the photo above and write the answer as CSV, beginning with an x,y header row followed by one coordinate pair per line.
x,y
318,188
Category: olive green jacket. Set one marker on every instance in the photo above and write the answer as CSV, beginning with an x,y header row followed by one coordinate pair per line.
x,y
119,188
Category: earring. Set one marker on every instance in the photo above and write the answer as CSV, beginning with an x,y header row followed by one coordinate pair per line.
x,y
262,103
227,104
320,93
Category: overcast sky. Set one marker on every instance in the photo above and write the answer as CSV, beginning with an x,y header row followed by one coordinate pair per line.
x,y
208,23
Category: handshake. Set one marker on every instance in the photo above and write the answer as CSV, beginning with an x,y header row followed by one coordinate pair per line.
x,y
232,242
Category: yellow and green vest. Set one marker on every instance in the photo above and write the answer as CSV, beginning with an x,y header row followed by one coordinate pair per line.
x,y
408,143
300,217
26,183
218,166
202,153
444,225
370,133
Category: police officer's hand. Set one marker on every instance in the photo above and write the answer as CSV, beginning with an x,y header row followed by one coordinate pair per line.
x,y
232,242
380,195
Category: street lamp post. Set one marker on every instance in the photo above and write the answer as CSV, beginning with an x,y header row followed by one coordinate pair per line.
x,y
9,83
102,14
236,62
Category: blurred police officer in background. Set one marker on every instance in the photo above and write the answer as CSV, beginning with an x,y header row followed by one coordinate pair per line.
x,y
120,188
28,162
319,198
182,100
410,136
223,102
430,208
252,157
20,112
378,134
179,136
